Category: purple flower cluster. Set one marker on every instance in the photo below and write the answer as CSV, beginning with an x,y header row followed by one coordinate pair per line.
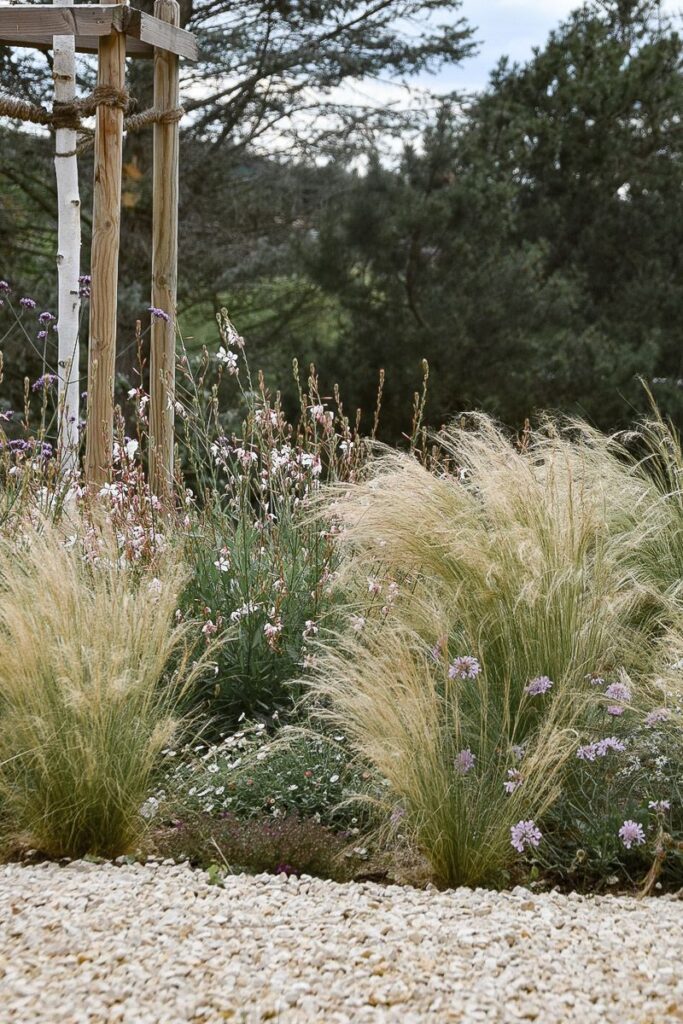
x,y
27,303
464,667
46,318
4,286
657,716
537,686
591,751
84,283
524,834
464,761
158,314
631,834
514,780
659,806
45,382
21,447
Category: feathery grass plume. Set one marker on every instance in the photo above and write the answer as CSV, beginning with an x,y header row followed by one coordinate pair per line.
x,y
510,594
88,698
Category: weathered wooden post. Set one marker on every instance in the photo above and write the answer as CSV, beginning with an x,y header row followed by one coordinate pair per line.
x,y
164,257
106,227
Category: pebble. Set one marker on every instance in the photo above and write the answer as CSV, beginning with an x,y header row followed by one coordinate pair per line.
x,y
158,944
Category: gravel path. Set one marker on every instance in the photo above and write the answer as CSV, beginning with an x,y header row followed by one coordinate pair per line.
x,y
93,943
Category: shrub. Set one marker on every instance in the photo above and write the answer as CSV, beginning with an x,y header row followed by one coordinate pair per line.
x,y
292,845
253,772
87,699
491,596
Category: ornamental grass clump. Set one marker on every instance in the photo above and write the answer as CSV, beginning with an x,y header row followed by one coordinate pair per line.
x,y
92,665
485,600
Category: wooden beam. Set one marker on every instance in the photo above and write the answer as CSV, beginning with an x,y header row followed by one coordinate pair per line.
x,y
35,25
164,262
105,263
158,33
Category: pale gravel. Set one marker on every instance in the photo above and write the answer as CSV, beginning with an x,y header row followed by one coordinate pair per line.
x,y
159,945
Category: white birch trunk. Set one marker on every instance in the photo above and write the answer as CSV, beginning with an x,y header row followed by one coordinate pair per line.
x,y
68,253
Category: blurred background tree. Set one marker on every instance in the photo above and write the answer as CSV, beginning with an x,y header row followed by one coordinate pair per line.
x,y
526,240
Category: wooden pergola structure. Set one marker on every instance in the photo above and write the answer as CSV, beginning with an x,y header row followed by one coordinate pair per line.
x,y
114,31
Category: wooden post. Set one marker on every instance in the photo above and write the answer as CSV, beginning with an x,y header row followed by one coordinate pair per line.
x,y
105,257
164,260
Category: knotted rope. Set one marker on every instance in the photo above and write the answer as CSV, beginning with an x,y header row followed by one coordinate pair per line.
x,y
68,115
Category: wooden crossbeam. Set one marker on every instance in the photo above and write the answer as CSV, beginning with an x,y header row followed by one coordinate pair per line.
x,y
35,25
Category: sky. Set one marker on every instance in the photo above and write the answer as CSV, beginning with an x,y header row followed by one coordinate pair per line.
x,y
510,27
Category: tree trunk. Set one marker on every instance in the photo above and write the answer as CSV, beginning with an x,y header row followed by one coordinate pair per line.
x,y
68,254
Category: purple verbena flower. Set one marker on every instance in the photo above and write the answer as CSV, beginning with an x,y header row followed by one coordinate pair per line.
x,y
44,382
158,314
4,286
514,780
631,833
464,667
537,686
27,303
41,335
84,283
46,318
464,761
659,806
524,834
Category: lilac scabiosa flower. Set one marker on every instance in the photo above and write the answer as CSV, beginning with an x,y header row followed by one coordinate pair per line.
x,y
397,815
27,303
590,751
524,834
158,314
659,806
514,780
517,751
465,667
631,833
464,761
44,382
537,686
657,716
618,691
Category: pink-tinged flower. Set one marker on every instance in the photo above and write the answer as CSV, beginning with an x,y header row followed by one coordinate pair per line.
x,y
659,806
517,751
595,679
272,631
464,667
524,834
615,710
310,630
657,716
514,780
437,650
27,303
464,761
222,563
358,622
537,686
228,359
631,834
374,586
209,628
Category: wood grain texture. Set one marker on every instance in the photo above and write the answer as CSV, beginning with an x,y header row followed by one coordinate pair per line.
x,y
164,262
35,25
105,264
